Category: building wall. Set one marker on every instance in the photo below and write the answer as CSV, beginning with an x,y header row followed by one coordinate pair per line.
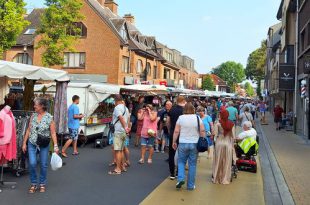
x,y
102,48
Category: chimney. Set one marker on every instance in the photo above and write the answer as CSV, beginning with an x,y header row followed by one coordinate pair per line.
x,y
129,18
111,5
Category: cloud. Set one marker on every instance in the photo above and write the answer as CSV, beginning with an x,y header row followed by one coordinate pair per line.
x,y
206,18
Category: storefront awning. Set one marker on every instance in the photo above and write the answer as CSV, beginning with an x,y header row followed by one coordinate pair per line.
x,y
30,72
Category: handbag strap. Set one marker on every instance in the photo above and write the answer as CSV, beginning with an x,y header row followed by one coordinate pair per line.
x,y
198,122
246,116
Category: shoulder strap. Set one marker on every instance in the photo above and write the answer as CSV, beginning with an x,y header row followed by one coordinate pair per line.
x,y
122,115
198,122
246,116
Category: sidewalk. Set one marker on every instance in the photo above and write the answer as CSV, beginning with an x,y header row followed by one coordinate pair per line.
x,y
292,153
246,189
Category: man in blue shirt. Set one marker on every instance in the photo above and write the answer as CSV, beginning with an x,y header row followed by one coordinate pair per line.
x,y
233,112
74,118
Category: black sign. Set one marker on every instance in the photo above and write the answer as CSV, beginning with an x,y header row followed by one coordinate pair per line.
x,y
287,77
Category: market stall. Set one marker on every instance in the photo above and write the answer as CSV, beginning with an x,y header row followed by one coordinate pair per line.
x,y
96,103
29,75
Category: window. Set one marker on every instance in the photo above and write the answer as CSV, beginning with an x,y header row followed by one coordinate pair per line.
x,y
145,43
30,31
139,66
169,56
125,65
137,38
155,72
302,41
123,33
166,74
74,60
148,69
308,44
175,75
77,29
23,58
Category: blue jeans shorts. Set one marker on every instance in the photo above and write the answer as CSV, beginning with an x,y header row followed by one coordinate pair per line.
x,y
74,134
150,141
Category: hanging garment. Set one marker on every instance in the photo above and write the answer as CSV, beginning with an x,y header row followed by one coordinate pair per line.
x,y
4,89
8,131
61,109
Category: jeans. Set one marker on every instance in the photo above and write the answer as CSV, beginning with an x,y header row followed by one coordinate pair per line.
x,y
187,152
171,157
43,153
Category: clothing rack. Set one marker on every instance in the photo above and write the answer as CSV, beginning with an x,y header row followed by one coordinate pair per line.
x,y
4,184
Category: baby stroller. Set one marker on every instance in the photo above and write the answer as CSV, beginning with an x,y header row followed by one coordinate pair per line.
x,y
247,161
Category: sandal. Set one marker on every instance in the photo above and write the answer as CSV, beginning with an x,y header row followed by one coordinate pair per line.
x,y
32,189
114,173
141,161
149,161
75,153
42,189
64,155
124,169
127,164
112,164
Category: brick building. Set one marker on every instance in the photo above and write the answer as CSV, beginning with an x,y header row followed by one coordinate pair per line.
x,y
111,49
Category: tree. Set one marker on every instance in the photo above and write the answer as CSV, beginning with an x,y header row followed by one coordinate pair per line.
x,y
231,72
57,22
255,69
249,89
208,83
12,23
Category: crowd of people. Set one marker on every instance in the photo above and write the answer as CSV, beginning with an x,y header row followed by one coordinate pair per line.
x,y
173,127
177,126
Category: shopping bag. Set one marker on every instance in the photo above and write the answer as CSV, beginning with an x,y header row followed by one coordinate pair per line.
x,y
56,162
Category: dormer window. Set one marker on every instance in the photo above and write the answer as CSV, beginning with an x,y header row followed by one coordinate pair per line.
x,y
123,33
137,38
30,31
145,43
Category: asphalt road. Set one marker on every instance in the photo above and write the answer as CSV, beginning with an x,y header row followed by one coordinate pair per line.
x,y
85,180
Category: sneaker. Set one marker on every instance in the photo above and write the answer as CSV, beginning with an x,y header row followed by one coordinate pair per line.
x,y
179,184
156,151
191,189
172,177
163,152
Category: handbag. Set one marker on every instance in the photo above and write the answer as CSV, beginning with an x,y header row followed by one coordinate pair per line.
x,y
112,125
43,141
202,144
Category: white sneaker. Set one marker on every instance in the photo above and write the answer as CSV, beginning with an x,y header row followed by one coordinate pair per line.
x,y
157,151
163,151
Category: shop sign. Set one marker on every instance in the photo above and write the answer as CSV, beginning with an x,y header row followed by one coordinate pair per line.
x,y
286,77
145,83
163,83
129,80
307,64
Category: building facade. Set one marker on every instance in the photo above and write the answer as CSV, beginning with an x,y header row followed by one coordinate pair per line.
x,y
110,49
288,62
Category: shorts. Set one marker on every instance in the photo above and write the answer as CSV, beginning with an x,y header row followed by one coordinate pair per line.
x,y
74,134
150,141
126,140
119,141
277,119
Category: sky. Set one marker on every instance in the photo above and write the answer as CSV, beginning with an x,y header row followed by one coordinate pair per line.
x,y
209,31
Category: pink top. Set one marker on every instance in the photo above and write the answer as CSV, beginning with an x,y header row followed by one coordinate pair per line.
x,y
148,124
8,139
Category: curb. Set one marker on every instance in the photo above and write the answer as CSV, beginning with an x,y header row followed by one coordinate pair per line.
x,y
276,190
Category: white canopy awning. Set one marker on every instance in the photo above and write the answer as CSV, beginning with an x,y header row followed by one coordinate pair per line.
x,y
30,72
152,89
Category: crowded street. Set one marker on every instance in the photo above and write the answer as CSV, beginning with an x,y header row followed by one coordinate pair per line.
x,y
161,102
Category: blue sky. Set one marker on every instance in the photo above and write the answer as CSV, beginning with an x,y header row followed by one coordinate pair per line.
x,y
209,31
